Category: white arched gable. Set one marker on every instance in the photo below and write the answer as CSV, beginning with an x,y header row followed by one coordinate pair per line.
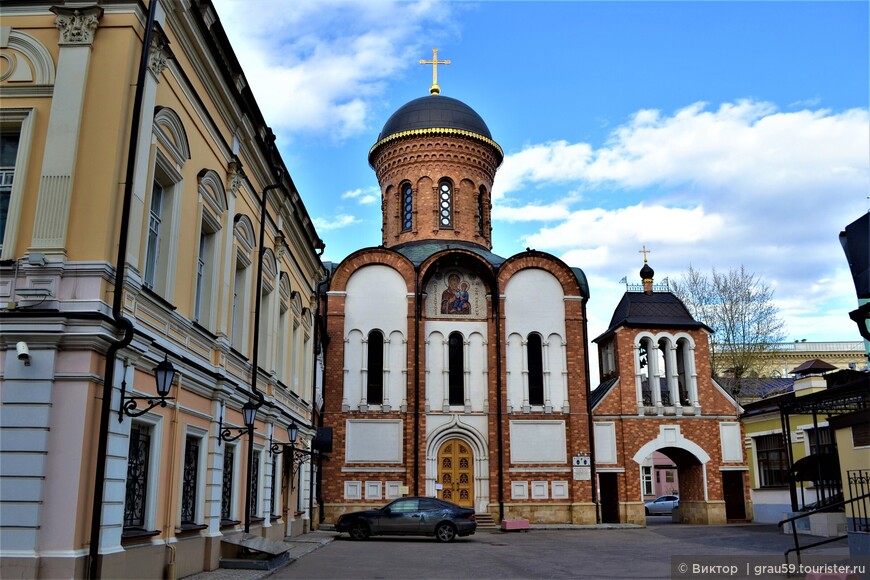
x,y
244,232
534,302
39,69
212,190
376,298
170,132
670,436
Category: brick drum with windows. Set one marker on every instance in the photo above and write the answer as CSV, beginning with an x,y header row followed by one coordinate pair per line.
x,y
452,371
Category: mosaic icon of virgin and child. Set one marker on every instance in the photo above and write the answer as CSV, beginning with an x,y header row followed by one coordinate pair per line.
x,y
454,300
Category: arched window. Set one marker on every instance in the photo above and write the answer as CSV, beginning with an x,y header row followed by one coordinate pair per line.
x,y
407,207
536,370
683,353
456,374
445,197
665,372
480,208
375,386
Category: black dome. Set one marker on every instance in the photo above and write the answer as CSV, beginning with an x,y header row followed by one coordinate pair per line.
x,y
435,112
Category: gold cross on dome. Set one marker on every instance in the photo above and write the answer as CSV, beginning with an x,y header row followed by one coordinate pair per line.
x,y
434,89
644,251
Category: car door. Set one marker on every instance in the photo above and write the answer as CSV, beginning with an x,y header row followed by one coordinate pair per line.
x,y
400,517
430,514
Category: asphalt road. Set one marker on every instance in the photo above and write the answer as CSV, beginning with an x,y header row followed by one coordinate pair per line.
x,y
656,551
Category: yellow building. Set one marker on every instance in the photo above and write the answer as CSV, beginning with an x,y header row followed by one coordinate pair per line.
x,y
794,457
134,165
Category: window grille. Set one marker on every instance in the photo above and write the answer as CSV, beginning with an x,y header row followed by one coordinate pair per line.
x,y
189,481
227,484
137,476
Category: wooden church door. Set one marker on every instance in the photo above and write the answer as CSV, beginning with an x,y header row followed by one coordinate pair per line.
x,y
456,473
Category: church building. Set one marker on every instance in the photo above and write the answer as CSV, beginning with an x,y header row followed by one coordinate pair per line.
x,y
451,371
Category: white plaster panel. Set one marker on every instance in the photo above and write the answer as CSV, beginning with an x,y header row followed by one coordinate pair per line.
x,y
555,364
21,489
732,448
352,490
22,514
374,441
519,490
393,489
18,391
477,366
560,490
373,490
396,365
24,440
540,489
376,299
534,302
435,368
538,442
514,357
18,539
24,415
353,353
21,464
605,443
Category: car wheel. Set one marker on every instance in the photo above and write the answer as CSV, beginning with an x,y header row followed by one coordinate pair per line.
x,y
646,509
359,531
445,532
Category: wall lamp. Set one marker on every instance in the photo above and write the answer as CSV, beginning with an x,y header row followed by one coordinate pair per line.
x,y
249,413
164,374
298,456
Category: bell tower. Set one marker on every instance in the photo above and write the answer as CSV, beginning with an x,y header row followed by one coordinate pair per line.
x,y
435,162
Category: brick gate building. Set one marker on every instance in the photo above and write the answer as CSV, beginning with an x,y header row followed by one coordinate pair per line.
x,y
657,395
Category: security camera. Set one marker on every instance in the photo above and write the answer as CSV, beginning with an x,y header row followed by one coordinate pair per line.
x,y
23,353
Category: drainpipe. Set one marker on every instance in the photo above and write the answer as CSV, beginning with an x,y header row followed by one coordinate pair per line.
x,y
591,425
417,308
120,322
496,310
316,419
270,145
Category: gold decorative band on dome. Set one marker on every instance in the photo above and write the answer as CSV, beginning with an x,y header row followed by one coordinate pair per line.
x,y
437,130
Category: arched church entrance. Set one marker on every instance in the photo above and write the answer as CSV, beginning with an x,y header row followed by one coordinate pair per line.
x,y
456,473
689,485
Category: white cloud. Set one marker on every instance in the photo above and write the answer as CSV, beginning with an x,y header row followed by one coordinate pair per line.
x,y
338,222
331,58
363,195
747,148
530,213
626,227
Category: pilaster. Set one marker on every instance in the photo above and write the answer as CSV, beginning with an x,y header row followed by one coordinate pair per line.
x,y
77,28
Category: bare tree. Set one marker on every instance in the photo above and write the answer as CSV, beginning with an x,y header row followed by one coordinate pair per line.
x,y
739,307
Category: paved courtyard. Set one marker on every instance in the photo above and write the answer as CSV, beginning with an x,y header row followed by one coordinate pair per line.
x,y
661,550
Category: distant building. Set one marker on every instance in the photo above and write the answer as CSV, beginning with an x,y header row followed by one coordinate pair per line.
x,y
186,147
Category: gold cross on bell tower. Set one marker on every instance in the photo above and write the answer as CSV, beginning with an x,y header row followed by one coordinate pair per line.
x,y
644,251
434,89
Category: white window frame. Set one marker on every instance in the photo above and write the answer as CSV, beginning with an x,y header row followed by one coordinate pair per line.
x,y
22,120
171,181
201,471
154,423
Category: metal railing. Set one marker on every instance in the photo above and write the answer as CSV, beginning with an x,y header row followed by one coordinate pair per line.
x,y
859,485
862,501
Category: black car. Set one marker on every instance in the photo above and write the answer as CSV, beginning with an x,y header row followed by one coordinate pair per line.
x,y
410,516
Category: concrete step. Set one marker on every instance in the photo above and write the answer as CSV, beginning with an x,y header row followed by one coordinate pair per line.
x,y
485,522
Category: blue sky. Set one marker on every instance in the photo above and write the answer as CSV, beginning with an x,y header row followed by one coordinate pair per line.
x,y
718,134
